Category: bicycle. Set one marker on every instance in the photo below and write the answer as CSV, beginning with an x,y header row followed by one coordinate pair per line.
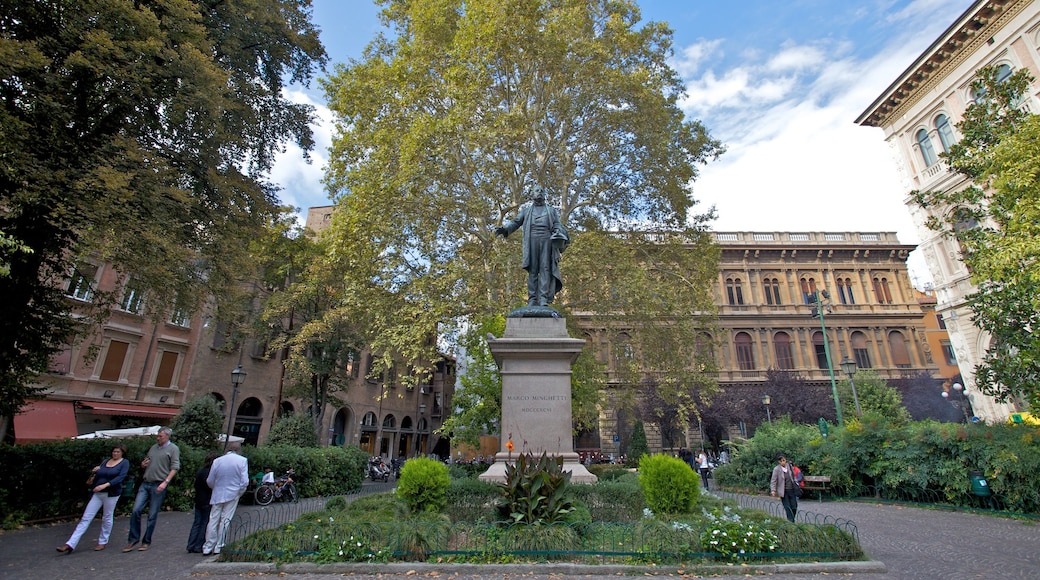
x,y
283,489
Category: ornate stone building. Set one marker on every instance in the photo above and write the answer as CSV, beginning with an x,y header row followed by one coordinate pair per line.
x,y
764,296
918,113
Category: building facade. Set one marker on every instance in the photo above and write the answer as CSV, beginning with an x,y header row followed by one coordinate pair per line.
x,y
131,371
764,293
919,113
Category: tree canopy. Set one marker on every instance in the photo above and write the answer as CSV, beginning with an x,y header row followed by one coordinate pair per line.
x,y
444,128
996,221
136,134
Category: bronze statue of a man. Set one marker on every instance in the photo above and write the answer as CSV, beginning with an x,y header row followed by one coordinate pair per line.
x,y
545,239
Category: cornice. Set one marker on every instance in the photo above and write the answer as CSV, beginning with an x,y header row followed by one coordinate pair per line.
x,y
976,27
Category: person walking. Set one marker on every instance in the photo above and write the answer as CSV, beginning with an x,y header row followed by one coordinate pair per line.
x,y
228,478
703,468
108,486
203,493
782,484
160,466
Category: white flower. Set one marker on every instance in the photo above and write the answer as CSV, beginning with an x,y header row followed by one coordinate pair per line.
x,y
315,536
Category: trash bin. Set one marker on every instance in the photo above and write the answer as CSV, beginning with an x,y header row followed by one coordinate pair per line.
x,y
979,486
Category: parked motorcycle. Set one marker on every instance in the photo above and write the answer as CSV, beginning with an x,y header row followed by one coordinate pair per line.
x,y
378,470
395,466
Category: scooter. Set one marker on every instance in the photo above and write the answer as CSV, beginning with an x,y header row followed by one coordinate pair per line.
x,y
377,469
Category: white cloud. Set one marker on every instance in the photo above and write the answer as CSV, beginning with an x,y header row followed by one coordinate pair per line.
x,y
796,160
690,58
301,181
795,58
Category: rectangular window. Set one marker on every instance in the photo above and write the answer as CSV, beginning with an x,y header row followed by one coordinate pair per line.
x,y
745,357
133,297
353,365
784,358
939,319
948,353
81,283
114,359
862,358
821,355
167,364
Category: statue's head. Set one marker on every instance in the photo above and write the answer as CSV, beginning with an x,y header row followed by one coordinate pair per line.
x,y
538,194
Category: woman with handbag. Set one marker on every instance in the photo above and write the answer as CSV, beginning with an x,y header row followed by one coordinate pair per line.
x,y
106,485
782,483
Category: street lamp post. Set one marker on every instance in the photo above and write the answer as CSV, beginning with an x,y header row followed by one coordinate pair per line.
x,y
765,401
848,366
821,300
962,401
237,376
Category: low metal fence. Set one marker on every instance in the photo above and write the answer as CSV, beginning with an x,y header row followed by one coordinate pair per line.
x,y
291,532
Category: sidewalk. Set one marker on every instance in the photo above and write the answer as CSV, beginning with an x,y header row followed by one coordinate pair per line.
x,y
911,542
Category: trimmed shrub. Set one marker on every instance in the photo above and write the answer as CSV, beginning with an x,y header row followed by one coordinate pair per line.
x,y
294,429
668,483
423,485
199,423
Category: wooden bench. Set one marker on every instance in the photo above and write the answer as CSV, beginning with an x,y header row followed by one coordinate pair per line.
x,y
818,483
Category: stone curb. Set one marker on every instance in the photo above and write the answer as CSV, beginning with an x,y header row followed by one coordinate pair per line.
x,y
213,568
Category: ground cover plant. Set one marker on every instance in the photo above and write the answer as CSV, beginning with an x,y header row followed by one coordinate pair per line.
x,y
608,522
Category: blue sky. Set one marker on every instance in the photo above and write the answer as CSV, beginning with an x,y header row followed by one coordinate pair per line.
x,y
780,83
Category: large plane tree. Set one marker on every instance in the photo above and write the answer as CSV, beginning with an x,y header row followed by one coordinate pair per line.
x,y
136,134
444,126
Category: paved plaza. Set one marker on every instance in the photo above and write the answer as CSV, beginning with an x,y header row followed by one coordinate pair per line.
x,y
912,543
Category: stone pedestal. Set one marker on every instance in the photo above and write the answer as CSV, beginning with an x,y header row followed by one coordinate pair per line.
x,y
535,358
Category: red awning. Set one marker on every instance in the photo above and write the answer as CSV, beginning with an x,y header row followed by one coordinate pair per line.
x,y
45,421
129,410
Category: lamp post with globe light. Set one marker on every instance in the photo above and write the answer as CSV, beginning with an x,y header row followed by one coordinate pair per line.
x,y
766,401
848,366
237,376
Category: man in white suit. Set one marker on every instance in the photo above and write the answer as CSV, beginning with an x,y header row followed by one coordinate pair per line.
x,y
228,478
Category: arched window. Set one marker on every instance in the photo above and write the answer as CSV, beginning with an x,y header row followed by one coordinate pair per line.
x,y
924,144
945,131
623,351
734,294
859,350
978,94
820,349
845,290
389,422
808,289
772,291
369,420
882,291
782,350
897,346
286,408
251,407
745,351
